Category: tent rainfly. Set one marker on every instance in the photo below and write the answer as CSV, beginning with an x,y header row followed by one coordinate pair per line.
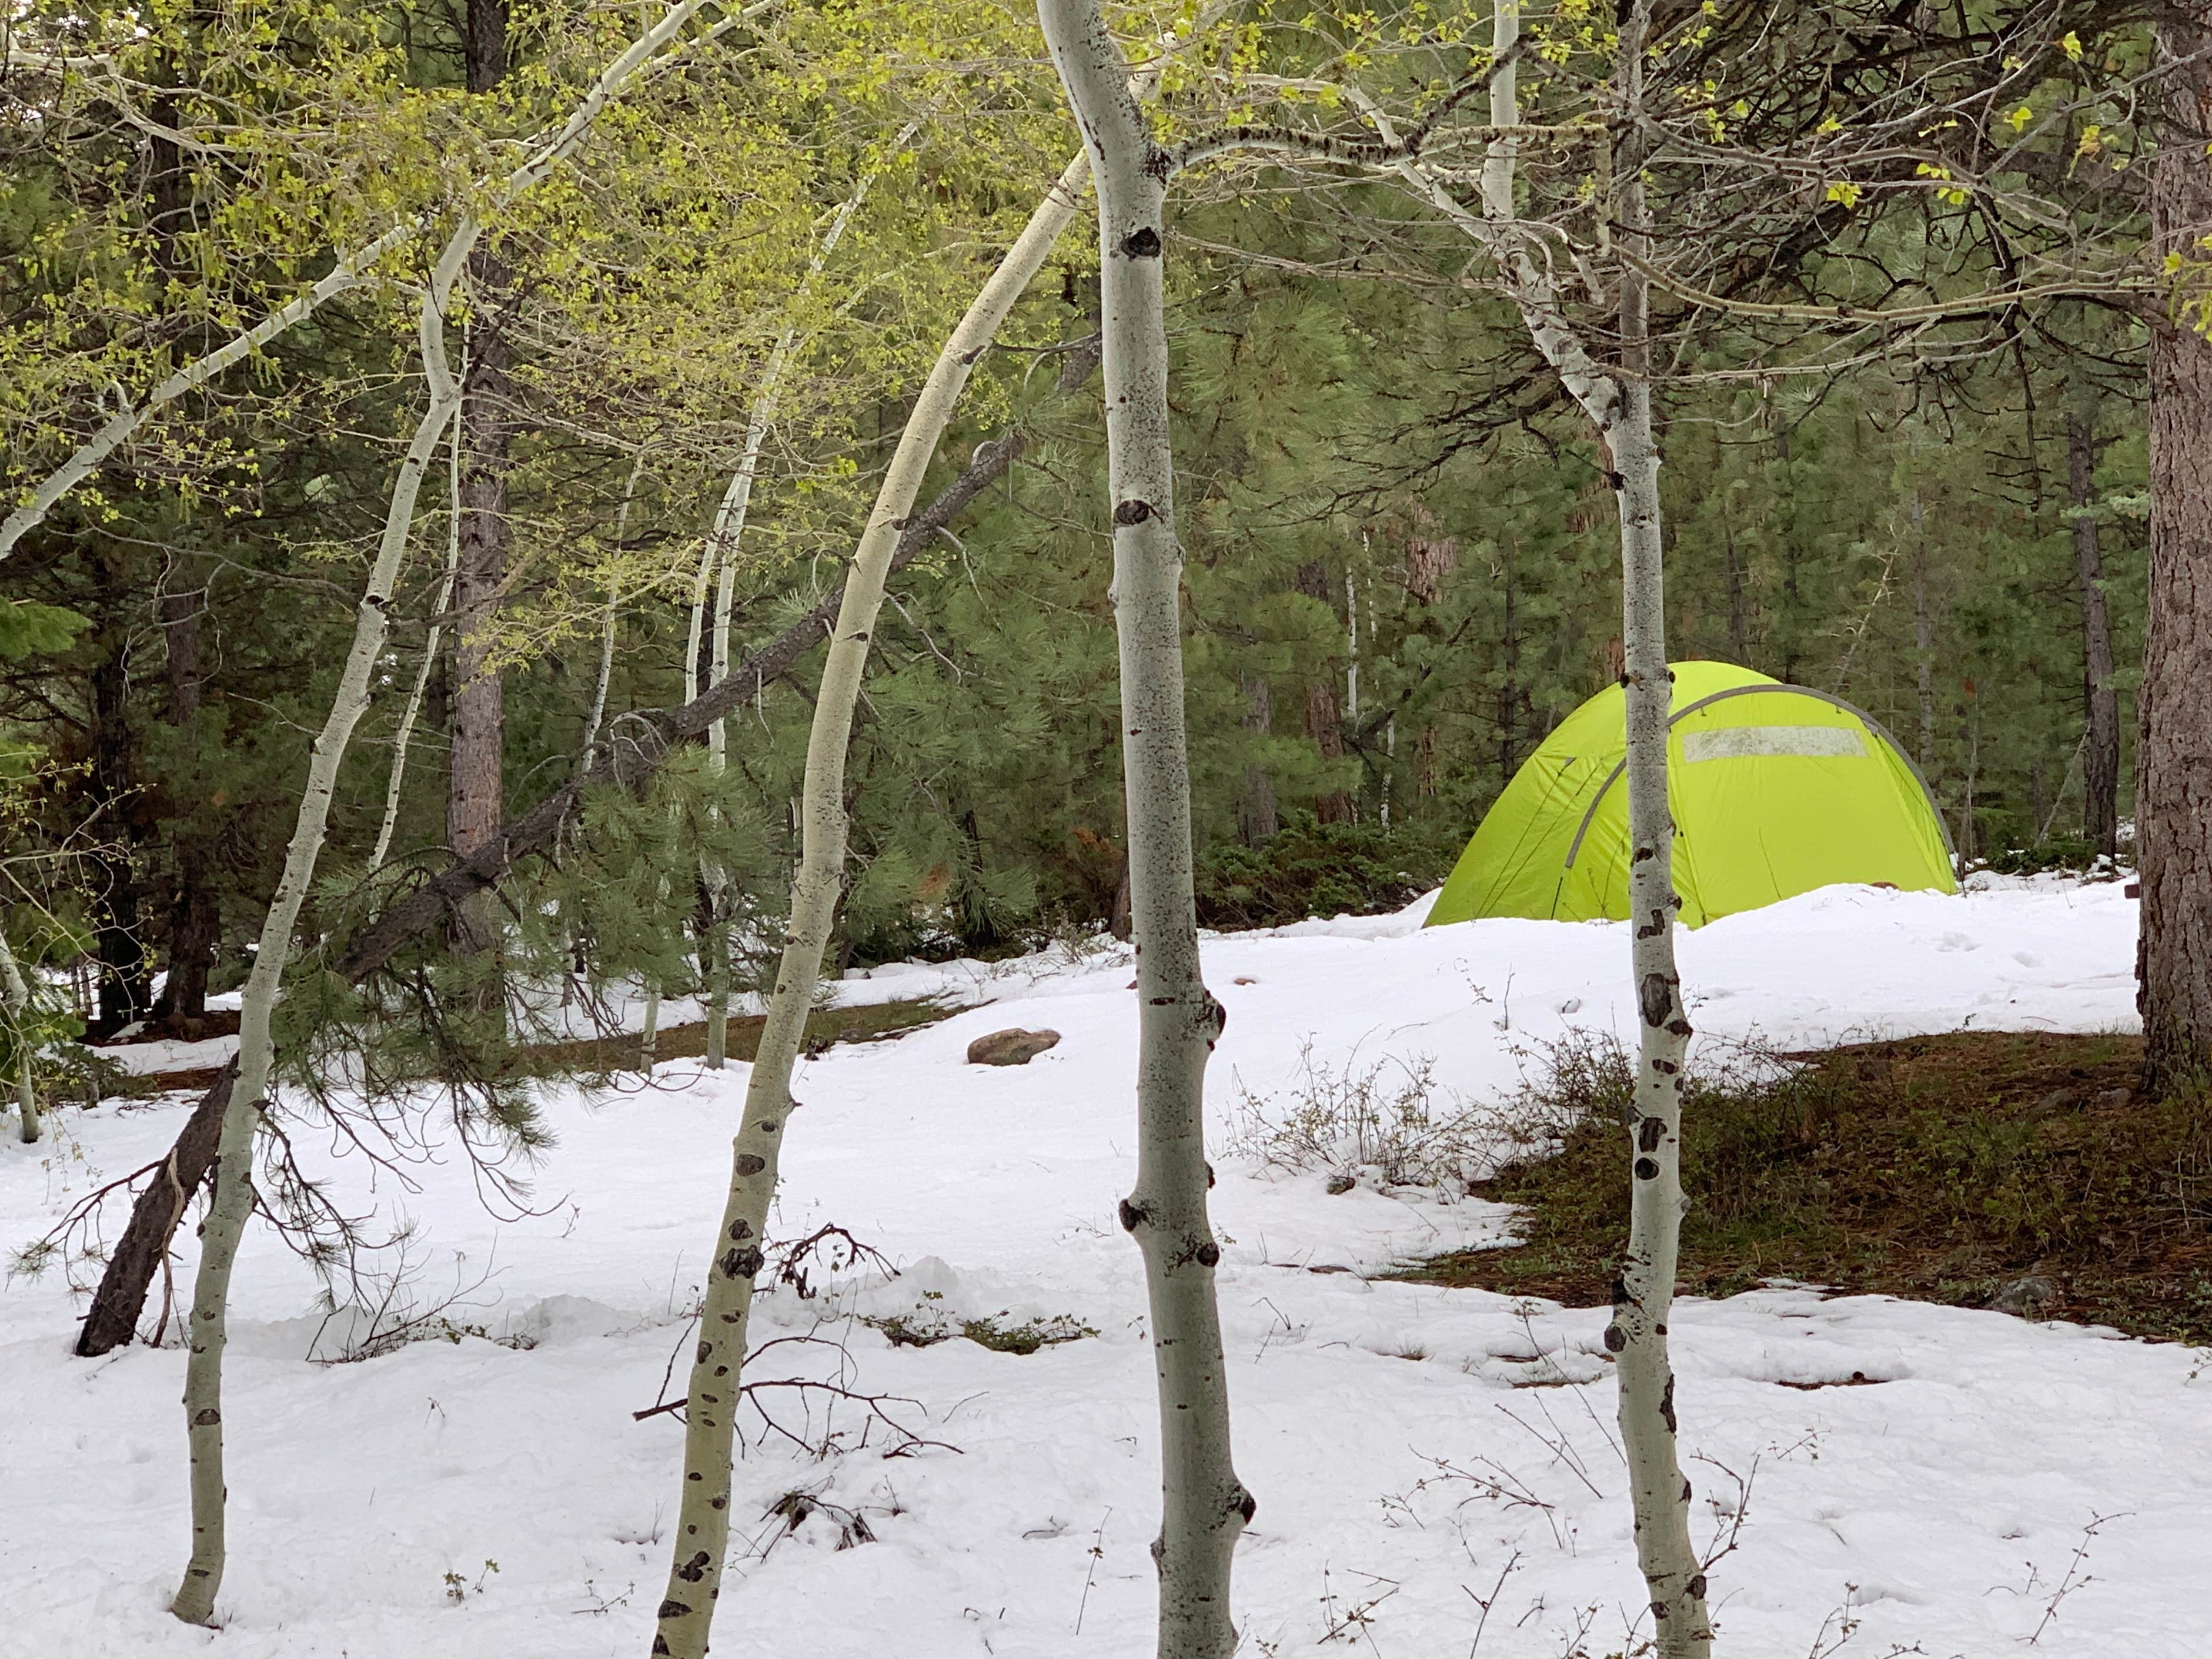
x,y
1776,790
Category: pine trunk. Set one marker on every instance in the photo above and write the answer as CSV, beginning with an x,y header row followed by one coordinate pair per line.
x,y
686,1613
1256,816
474,787
1324,708
195,921
1205,1507
2101,752
475,793
2174,750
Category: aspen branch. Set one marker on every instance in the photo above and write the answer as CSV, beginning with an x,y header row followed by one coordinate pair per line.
x,y
352,268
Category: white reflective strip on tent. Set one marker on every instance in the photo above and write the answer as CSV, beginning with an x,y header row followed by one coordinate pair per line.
x,y
1740,741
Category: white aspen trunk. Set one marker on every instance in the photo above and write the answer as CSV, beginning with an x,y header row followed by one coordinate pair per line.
x,y
1204,1506
19,1007
1620,407
1643,1295
703,1531
649,1040
606,669
722,549
405,735
354,267
729,532
233,1203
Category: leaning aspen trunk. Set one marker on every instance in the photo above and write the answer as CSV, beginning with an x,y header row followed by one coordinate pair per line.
x,y
233,1203
1204,1506
702,1521
19,1008
1644,1294
729,529
404,735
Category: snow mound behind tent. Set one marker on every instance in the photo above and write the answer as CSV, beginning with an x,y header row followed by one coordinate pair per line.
x,y
1931,1470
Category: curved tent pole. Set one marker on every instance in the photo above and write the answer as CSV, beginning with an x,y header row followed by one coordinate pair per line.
x,y
1852,709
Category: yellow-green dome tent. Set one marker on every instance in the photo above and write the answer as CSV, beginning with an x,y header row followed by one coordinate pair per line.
x,y
1776,790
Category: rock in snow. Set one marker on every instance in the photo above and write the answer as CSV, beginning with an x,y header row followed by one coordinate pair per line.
x,y
1012,1047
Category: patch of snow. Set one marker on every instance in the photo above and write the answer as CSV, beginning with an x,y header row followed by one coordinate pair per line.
x,y
1398,1437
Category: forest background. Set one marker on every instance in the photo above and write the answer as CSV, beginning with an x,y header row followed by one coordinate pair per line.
x,y
1400,541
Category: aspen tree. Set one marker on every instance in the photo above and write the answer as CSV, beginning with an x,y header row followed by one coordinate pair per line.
x,y
1204,1506
231,1204
686,1613
18,997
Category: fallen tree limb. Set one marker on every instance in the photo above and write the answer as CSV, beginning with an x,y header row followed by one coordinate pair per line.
x,y
627,758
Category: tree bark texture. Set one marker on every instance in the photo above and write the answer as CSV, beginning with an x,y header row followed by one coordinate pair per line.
x,y
684,1619
2101,752
1204,1506
1644,1294
2173,748
1324,710
475,789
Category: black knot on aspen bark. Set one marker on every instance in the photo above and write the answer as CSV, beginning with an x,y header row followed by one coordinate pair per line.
x,y
1665,1067
742,1264
750,1164
1143,243
1616,482
1132,512
1245,1504
1130,1216
660,1647
1644,853
705,1349
1697,1587
1685,1492
741,1230
1659,1611
1647,1170
206,1418
1655,998
1680,1028
1209,1177
1616,1338
1209,1255
1667,1405
1649,1133
1619,1292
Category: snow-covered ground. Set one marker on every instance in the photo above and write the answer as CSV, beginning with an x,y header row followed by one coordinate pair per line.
x,y
1416,1452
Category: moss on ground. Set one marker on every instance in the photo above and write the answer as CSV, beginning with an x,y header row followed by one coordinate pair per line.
x,y
1942,1168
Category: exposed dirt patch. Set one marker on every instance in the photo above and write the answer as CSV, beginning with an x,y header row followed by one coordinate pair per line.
x,y
875,1022
1945,1168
